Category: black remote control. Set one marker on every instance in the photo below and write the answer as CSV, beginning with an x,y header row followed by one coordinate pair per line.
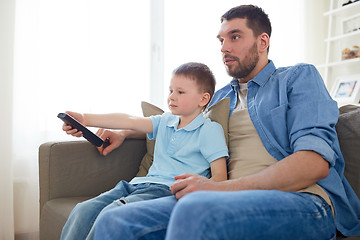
x,y
88,135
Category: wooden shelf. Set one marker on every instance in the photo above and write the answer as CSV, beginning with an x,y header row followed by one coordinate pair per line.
x,y
354,33
333,67
334,64
341,10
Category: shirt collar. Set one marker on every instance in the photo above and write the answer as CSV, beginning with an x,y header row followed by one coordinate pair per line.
x,y
261,78
264,75
197,122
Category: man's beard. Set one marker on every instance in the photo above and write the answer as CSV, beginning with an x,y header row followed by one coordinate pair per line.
x,y
242,70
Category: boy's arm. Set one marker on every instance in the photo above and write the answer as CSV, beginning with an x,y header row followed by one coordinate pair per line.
x,y
116,121
218,170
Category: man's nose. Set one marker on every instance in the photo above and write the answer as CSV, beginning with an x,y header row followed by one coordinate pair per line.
x,y
225,47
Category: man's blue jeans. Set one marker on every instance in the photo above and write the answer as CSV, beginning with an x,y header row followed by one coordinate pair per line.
x,y
84,216
256,214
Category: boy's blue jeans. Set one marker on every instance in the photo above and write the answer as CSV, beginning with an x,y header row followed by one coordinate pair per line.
x,y
256,214
83,217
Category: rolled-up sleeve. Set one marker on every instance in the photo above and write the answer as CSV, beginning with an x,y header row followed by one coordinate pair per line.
x,y
312,115
314,143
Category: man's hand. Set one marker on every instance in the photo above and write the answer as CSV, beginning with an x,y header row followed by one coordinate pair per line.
x,y
187,183
115,138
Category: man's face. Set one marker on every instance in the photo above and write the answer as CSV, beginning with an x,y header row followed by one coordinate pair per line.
x,y
239,49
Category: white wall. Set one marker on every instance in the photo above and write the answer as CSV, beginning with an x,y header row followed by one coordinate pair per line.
x,y
190,30
316,25
6,77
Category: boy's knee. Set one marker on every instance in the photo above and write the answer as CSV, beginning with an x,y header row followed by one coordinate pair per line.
x,y
80,208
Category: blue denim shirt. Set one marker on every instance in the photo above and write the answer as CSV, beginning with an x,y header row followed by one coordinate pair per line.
x,y
292,110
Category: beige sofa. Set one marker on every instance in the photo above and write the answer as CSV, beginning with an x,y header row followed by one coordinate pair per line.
x,y
70,172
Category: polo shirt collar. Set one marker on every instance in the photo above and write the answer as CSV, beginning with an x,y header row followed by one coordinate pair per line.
x,y
196,123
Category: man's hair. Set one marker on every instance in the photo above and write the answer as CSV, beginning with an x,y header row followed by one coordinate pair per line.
x,y
256,19
200,73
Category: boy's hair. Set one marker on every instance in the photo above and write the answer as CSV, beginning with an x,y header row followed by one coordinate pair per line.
x,y
257,20
200,73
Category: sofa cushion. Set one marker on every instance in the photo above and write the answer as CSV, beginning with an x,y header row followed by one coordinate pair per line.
x,y
348,130
219,113
148,110
54,215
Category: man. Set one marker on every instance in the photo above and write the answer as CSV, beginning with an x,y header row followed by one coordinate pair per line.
x,y
285,165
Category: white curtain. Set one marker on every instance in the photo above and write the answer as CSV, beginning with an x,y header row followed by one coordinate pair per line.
x,y
80,55
6,73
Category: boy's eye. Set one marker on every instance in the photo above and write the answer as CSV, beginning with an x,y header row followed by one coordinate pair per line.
x,y
181,92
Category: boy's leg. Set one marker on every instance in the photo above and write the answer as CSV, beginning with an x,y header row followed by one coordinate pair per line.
x,y
84,214
257,214
139,220
137,192
146,191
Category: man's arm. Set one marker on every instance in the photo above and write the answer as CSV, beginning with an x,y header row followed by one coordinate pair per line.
x,y
295,172
116,138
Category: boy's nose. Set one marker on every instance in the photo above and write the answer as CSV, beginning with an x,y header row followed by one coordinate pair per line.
x,y
171,96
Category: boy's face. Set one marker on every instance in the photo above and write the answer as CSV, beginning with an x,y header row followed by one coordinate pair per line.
x,y
185,97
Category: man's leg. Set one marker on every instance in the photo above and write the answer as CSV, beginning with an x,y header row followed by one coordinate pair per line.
x,y
138,220
257,214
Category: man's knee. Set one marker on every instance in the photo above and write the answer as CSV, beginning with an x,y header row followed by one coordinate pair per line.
x,y
196,204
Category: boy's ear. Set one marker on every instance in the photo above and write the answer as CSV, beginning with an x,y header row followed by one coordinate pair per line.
x,y
205,99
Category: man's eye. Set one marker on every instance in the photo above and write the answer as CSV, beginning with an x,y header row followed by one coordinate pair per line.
x,y
181,92
235,37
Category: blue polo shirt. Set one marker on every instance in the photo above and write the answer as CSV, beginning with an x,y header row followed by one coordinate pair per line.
x,y
292,110
187,150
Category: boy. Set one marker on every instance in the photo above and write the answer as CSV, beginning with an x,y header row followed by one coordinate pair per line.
x,y
186,142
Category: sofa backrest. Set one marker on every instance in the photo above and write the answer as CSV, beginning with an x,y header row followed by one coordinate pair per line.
x,y
348,130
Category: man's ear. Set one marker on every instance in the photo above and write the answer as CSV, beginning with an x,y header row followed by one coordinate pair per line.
x,y
263,42
205,99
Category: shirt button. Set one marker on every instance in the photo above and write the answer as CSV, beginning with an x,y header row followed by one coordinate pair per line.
x,y
173,139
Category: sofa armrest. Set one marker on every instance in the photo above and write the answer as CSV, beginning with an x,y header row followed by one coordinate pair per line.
x,y
76,169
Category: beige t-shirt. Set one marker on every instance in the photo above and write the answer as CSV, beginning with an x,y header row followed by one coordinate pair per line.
x,y
247,154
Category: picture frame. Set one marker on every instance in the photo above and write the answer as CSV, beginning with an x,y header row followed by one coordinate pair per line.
x,y
347,89
350,24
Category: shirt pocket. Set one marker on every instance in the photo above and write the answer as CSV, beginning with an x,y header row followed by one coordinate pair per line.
x,y
280,127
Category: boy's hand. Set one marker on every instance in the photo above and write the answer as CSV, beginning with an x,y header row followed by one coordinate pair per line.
x,y
72,131
115,138
187,183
